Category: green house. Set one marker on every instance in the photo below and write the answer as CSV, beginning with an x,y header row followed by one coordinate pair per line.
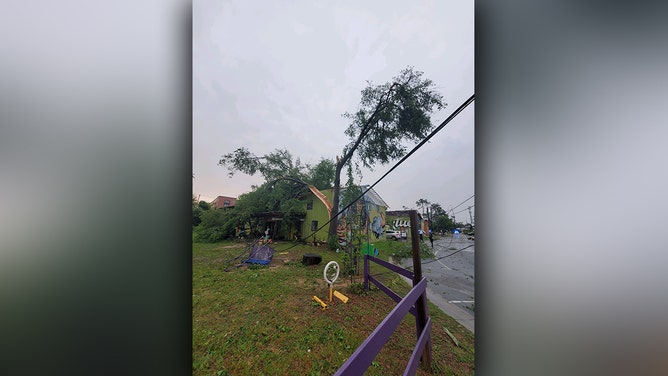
x,y
366,217
317,210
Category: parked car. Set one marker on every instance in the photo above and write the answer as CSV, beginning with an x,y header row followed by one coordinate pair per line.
x,y
392,234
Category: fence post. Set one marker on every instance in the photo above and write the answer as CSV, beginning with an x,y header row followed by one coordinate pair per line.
x,y
366,272
420,304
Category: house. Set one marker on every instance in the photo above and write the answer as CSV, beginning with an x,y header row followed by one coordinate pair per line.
x,y
318,207
223,202
312,225
366,217
400,220
369,211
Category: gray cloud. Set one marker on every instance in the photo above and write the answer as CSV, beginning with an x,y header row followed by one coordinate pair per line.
x,y
270,76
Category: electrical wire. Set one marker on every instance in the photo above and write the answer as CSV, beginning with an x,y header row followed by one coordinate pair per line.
x,y
451,209
461,211
418,146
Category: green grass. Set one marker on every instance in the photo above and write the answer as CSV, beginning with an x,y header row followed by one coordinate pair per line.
x,y
263,321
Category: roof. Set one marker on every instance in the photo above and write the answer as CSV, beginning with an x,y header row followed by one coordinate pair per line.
x,y
373,196
219,201
401,213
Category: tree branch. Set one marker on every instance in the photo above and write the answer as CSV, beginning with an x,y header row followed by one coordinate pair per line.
x,y
366,127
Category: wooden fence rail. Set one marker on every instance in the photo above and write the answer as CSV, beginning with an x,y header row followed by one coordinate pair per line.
x,y
362,358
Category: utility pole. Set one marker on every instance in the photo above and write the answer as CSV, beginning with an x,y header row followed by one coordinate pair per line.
x,y
421,303
471,216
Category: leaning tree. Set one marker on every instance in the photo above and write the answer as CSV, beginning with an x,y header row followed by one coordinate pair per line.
x,y
389,115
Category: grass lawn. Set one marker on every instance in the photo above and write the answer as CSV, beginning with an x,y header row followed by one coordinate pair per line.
x,y
262,320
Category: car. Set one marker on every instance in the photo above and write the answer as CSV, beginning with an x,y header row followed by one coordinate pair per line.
x,y
392,234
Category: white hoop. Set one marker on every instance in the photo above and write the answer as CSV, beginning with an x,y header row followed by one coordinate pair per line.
x,y
336,267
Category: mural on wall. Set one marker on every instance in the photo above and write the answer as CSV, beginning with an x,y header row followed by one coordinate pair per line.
x,y
378,225
342,232
368,213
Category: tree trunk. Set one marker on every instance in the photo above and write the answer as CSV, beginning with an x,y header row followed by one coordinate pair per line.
x,y
364,130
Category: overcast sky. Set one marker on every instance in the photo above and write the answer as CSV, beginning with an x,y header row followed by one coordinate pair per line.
x,y
269,75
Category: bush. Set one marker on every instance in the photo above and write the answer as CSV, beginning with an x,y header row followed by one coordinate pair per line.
x,y
215,226
405,250
357,289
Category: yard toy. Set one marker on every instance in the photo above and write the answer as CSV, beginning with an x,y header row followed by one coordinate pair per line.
x,y
323,304
342,297
331,273
253,253
260,255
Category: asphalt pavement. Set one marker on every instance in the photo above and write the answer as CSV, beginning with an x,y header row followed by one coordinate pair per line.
x,y
451,277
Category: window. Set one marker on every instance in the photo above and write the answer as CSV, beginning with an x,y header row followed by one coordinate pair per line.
x,y
226,203
314,225
309,205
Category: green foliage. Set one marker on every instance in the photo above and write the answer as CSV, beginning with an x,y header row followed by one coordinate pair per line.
x,y
272,166
405,250
321,175
197,213
332,242
198,207
279,164
441,222
390,114
436,209
281,196
358,289
422,203
215,226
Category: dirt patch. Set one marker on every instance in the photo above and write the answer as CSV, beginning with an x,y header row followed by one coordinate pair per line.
x,y
231,246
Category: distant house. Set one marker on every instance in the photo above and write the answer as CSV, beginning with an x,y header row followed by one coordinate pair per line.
x,y
400,220
223,202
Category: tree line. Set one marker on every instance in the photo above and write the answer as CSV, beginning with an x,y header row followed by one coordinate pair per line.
x,y
439,219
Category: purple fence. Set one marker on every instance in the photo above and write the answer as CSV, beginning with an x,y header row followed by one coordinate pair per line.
x,y
362,358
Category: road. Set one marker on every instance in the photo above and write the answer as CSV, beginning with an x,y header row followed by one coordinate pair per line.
x,y
451,277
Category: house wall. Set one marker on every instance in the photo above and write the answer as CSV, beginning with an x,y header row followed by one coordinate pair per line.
x,y
219,202
370,221
373,214
376,221
317,213
405,219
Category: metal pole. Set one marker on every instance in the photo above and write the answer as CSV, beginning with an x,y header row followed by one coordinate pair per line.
x,y
421,303
366,272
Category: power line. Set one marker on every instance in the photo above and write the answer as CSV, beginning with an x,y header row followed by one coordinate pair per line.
x,y
418,146
453,253
463,210
451,209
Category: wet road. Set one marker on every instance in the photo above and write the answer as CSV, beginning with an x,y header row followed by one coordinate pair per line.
x,y
451,277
